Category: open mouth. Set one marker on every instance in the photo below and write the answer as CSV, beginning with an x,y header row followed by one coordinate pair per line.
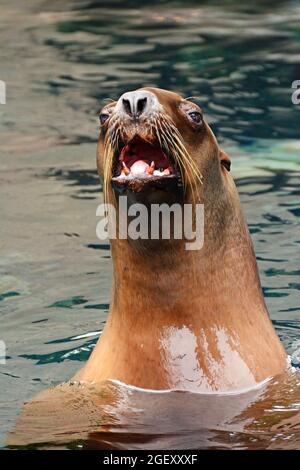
x,y
141,162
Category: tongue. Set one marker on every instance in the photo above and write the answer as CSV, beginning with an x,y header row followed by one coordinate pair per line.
x,y
139,167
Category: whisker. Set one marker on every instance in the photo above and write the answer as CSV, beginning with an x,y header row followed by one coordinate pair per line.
x,y
170,140
190,172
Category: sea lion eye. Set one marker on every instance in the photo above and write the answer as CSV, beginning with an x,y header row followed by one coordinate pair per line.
x,y
196,117
103,118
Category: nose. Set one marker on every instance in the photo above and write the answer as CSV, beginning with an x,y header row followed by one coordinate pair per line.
x,y
136,103
134,107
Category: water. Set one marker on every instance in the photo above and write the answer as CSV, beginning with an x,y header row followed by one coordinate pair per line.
x,y
60,61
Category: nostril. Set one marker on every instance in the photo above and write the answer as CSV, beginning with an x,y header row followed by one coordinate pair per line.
x,y
127,107
141,104
134,104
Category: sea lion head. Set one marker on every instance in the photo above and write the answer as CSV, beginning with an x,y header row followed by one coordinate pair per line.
x,y
155,142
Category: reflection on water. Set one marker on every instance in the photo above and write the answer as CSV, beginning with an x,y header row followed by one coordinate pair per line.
x,y
114,416
61,61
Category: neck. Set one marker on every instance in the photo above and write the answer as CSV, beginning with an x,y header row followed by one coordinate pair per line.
x,y
188,319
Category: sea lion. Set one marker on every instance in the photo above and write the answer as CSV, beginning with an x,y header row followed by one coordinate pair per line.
x,y
179,319
192,320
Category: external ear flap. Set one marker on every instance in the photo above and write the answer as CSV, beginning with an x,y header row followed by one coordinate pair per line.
x,y
225,160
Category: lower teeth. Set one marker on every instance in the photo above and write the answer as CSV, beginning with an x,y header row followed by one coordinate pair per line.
x,y
126,174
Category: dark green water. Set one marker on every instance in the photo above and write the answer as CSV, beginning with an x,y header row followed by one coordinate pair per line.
x,y
60,61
